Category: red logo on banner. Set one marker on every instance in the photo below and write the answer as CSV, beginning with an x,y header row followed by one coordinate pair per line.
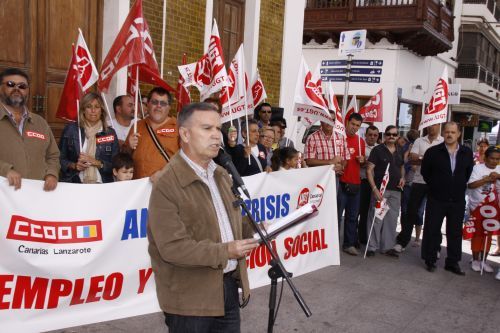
x,y
31,134
440,98
104,139
203,72
23,228
312,90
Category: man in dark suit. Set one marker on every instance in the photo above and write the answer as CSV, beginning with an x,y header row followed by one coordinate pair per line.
x,y
446,168
255,152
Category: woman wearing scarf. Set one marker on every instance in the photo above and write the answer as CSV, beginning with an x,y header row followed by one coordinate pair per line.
x,y
92,163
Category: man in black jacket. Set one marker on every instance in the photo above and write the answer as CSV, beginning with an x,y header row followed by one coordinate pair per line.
x,y
446,168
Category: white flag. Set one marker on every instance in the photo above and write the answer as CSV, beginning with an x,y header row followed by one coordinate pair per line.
x,y
258,92
437,110
87,72
309,101
208,74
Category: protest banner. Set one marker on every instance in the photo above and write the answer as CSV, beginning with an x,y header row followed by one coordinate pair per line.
x,y
78,255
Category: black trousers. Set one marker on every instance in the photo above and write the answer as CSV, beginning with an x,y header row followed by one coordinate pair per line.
x,y
364,206
435,212
230,322
417,195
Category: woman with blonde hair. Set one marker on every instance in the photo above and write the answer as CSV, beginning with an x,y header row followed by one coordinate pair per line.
x,y
98,143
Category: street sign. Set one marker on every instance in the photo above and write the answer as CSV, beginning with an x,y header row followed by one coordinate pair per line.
x,y
363,79
352,42
364,63
354,70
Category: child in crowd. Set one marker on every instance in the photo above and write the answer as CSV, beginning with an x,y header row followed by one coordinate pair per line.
x,y
284,159
123,167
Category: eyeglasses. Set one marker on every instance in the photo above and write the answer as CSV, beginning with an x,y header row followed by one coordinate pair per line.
x,y
391,134
12,84
156,102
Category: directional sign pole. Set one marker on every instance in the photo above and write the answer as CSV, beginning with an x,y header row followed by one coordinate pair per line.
x,y
346,89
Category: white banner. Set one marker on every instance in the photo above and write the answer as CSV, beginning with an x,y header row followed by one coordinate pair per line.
x,y
78,255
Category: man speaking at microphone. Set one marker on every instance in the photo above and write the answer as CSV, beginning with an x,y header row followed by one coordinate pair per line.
x,y
196,234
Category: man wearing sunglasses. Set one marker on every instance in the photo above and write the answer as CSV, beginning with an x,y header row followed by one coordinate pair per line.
x,y
27,146
156,140
264,111
383,235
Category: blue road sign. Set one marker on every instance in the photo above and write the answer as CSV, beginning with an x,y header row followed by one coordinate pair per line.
x,y
372,71
362,79
368,63
354,70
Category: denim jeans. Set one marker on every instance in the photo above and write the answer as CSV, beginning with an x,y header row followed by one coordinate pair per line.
x,y
350,204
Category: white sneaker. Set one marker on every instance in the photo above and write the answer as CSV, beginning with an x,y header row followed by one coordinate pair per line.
x,y
498,275
398,248
476,265
487,268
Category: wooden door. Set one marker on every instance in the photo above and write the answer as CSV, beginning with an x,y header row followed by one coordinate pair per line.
x,y
230,16
37,37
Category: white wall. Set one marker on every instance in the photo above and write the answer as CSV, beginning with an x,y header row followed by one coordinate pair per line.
x,y
115,13
401,69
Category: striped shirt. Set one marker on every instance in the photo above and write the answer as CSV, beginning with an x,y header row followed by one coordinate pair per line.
x,y
207,176
321,147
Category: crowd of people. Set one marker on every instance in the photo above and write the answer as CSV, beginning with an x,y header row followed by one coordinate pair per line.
x,y
429,176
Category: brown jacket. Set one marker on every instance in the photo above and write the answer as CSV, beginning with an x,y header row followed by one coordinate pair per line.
x,y
34,154
187,255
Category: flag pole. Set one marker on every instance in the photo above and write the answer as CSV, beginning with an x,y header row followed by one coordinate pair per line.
x,y
484,252
140,100
370,234
229,101
107,109
136,98
163,36
246,118
79,128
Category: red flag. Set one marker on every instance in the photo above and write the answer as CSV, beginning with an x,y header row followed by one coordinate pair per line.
x,y
372,110
133,45
67,108
182,95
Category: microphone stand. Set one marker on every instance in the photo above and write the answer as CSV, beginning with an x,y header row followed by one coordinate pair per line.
x,y
276,271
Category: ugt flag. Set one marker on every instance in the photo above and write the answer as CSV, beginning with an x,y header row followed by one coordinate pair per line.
x,y
437,110
208,74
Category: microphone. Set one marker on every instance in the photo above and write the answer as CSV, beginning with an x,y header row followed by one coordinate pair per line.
x,y
225,160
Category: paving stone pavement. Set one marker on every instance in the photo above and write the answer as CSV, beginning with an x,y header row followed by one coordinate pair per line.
x,y
379,294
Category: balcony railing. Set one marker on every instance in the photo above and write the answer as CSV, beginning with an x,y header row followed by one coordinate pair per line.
x,y
423,26
478,72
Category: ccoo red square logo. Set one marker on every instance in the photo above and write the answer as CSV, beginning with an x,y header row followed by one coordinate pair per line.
x,y
23,228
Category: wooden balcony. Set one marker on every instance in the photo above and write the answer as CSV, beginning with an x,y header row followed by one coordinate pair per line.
x,y
423,26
